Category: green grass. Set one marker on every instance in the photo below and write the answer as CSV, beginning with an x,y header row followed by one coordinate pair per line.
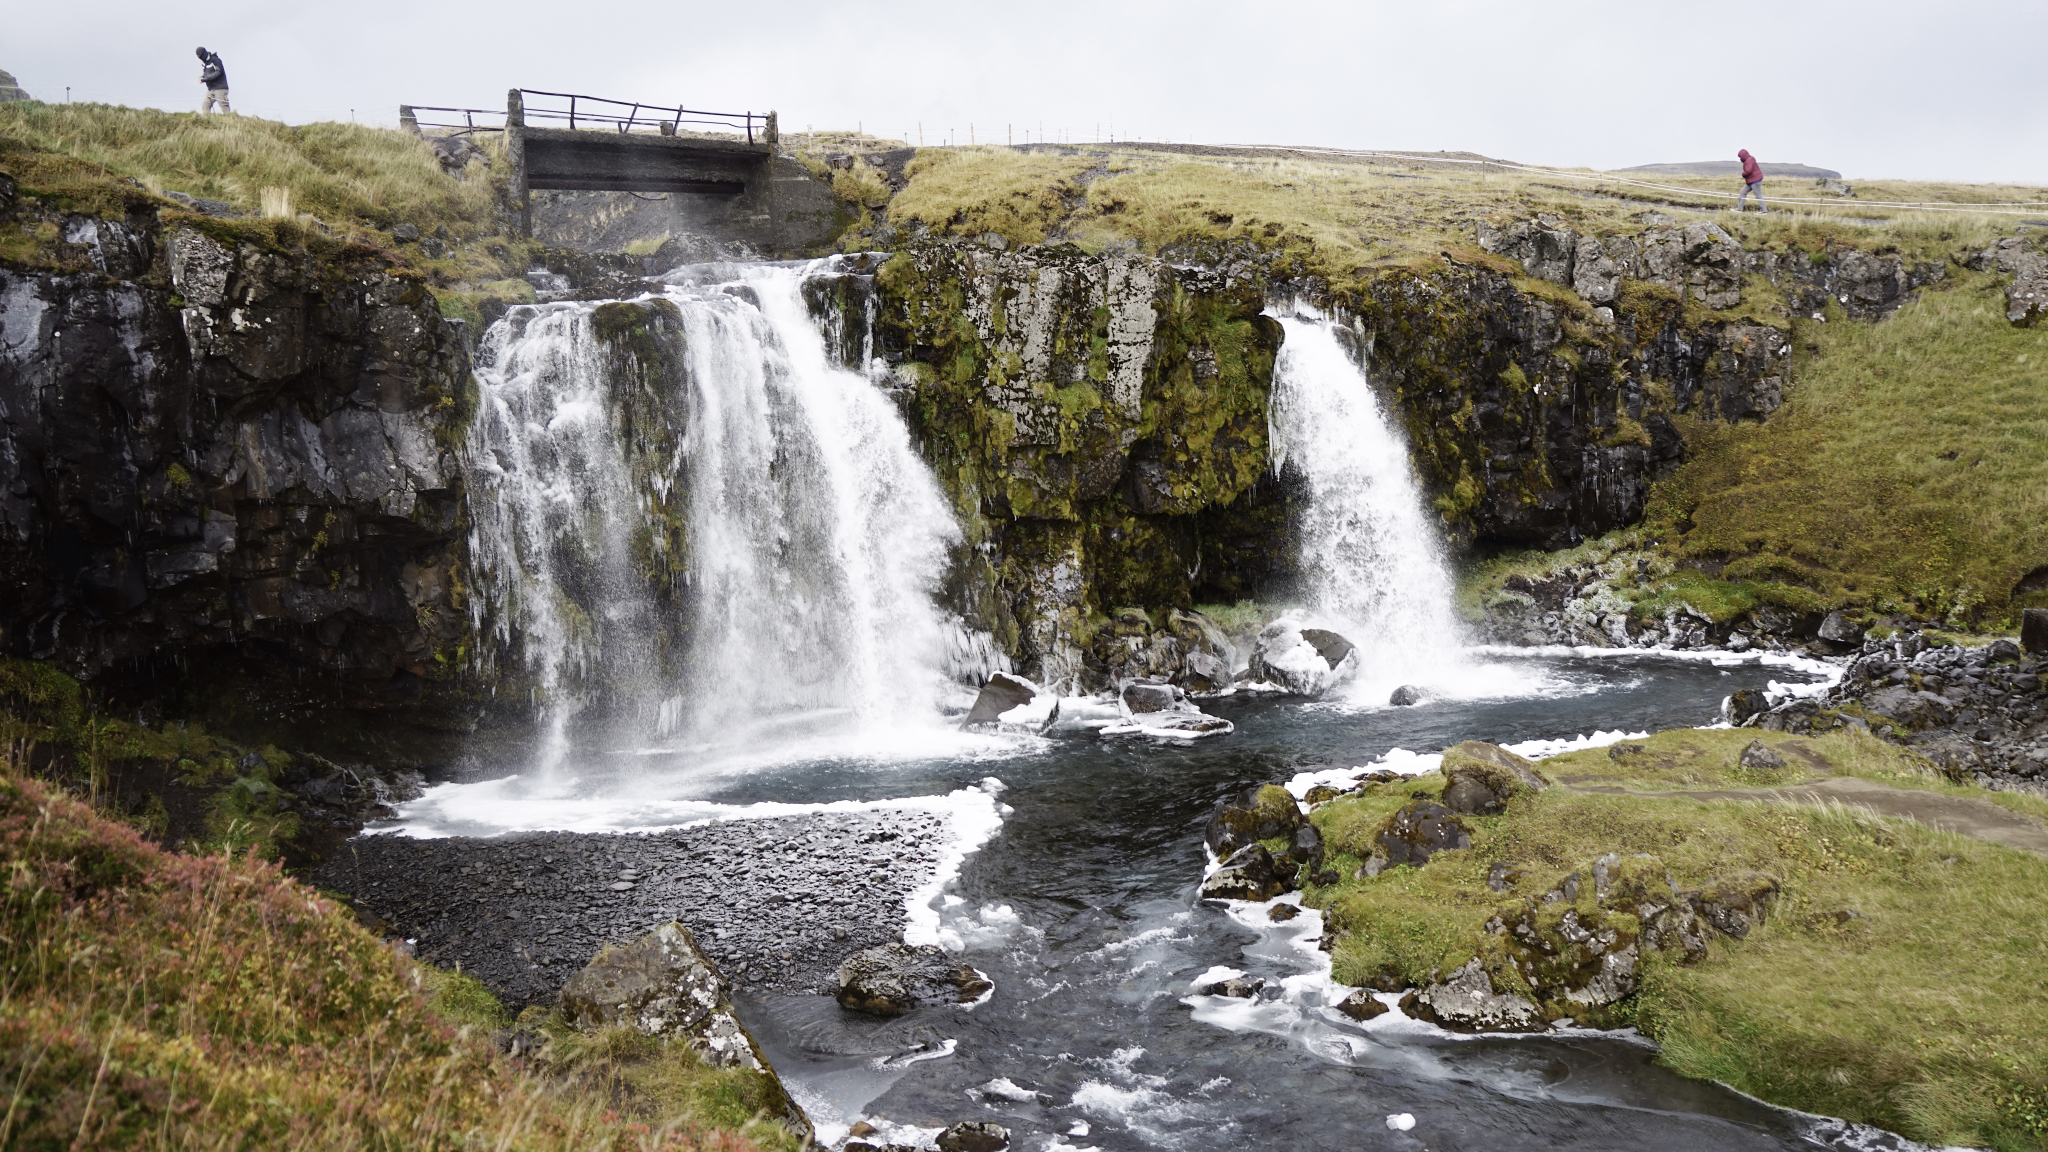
x,y
163,1001
337,172
1926,1012
1906,472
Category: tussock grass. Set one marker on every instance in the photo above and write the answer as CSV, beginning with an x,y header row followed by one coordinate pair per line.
x,y
1905,473
155,1001
336,172
1925,1012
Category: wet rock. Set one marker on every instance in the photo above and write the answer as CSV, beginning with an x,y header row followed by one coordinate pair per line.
x,y
1307,848
1362,1005
1484,777
1237,987
1419,831
1744,705
1303,661
1002,693
897,978
1320,794
1280,913
1466,1002
1405,695
1249,874
975,1136
2004,651
1261,813
1837,628
1152,697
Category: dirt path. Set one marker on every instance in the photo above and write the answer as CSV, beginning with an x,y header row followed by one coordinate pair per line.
x,y
1966,815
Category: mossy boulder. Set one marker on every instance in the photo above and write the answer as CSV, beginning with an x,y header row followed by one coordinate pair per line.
x,y
1420,830
1483,777
1262,813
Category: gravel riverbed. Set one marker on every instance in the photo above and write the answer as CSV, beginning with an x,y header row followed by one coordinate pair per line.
x,y
777,902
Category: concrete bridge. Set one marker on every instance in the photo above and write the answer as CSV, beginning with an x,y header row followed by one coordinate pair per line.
x,y
723,173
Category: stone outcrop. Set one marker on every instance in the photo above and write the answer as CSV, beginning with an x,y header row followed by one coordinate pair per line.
x,y
10,90
2026,297
1483,777
1250,873
1979,713
1101,423
661,985
1575,950
230,455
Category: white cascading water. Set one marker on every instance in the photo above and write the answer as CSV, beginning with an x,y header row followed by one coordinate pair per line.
x,y
815,535
1370,563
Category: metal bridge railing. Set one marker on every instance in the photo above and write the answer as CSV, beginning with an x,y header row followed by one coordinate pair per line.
x,y
408,118
596,112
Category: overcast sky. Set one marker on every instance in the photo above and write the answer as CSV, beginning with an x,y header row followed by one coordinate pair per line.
x,y
1945,90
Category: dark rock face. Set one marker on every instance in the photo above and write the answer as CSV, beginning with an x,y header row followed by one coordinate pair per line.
x,y
1840,629
234,457
1248,874
1104,417
1466,1002
2034,631
1405,695
897,978
1418,831
2026,297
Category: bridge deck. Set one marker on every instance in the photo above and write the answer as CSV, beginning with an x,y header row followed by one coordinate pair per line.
x,y
570,160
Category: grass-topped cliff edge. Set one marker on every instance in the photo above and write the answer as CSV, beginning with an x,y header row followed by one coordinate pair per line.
x,y
1897,979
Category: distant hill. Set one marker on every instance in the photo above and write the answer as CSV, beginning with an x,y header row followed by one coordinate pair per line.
x,y
1734,168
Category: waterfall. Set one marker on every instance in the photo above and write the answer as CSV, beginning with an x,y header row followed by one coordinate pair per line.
x,y
736,534
1369,557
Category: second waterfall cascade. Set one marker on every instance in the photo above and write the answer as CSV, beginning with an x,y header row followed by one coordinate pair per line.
x,y
695,518
1370,564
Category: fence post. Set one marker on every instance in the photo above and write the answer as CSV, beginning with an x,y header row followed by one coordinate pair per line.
x,y
515,156
770,134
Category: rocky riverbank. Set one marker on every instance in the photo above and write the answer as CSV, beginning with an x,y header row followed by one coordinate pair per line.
x,y
1979,712
778,903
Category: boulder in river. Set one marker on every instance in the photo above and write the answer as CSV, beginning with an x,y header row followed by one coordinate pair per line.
x,y
1303,661
1484,777
1002,693
975,1136
1236,987
1362,1005
1249,874
1405,695
1418,831
1260,813
896,978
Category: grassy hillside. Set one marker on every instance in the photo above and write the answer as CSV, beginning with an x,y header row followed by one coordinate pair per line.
x,y
1907,472
1898,980
164,1001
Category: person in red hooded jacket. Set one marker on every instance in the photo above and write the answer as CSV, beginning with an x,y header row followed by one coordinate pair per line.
x,y
1752,181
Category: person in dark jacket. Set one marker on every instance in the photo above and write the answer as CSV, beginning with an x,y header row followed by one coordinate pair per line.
x,y
214,75
1752,181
